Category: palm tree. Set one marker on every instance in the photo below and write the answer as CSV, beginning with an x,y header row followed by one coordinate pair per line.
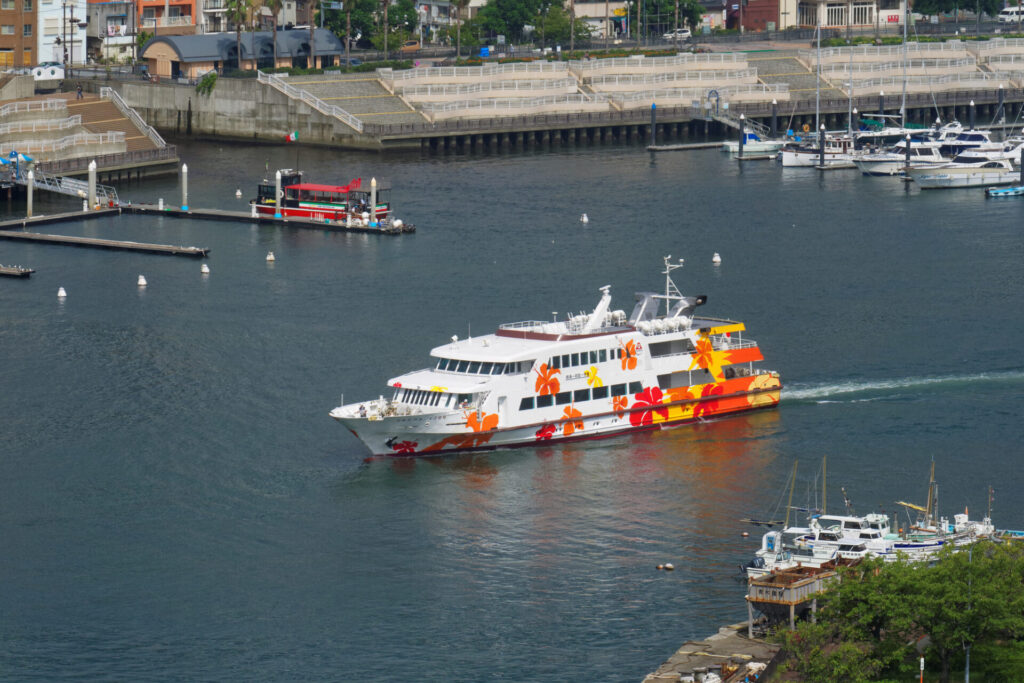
x,y
275,7
238,11
459,6
312,40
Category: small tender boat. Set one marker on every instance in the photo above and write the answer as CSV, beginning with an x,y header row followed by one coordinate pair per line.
x,y
1005,191
589,376
983,174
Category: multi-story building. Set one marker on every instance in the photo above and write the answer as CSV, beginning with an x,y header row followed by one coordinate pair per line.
x,y
61,34
110,35
17,33
167,17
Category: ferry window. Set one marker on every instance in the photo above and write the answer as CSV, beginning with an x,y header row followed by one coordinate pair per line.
x,y
593,357
474,367
581,395
435,397
618,354
440,363
575,359
526,403
463,364
602,356
563,397
485,369
464,399
618,390
599,392
565,361
635,387
554,363
545,401
498,368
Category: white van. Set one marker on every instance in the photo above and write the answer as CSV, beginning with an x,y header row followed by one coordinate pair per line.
x,y
1011,15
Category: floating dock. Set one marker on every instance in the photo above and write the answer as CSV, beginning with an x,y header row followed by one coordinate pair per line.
x,y
727,654
15,271
684,147
103,244
247,217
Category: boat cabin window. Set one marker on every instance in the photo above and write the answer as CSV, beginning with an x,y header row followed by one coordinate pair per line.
x,y
464,399
618,390
526,403
442,364
485,369
474,367
563,398
545,401
599,392
555,363
581,395
635,387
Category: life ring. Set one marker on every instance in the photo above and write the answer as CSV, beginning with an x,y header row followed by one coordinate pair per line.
x,y
807,128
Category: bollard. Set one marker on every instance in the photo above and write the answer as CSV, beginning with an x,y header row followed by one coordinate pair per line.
x,y
821,146
373,199
85,205
971,105
92,183
906,152
253,210
1022,170
881,105
775,118
742,135
160,204
1000,112
29,188
654,123
855,123
278,196
184,187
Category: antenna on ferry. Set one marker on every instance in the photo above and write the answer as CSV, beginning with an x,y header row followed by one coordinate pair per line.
x,y
554,316
670,287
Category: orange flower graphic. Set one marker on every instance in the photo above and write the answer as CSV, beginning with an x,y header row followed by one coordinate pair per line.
x,y
706,358
628,355
546,383
572,424
619,404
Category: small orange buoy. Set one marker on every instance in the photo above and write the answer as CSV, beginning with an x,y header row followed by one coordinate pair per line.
x,y
745,534
660,567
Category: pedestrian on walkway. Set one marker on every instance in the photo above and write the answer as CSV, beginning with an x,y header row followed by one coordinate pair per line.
x,y
78,93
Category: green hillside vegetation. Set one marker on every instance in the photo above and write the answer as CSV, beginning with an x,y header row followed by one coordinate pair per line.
x,y
881,617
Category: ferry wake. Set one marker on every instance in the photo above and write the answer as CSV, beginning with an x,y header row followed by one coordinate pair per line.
x,y
589,376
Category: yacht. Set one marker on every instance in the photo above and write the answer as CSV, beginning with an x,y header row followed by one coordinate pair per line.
x,y
965,140
984,173
587,376
893,160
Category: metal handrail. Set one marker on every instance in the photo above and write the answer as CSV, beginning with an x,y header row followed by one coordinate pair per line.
x,y
69,186
140,156
33,126
655,62
703,75
36,146
995,44
891,83
1005,59
45,105
133,116
472,71
831,53
842,67
507,103
467,88
310,99
773,89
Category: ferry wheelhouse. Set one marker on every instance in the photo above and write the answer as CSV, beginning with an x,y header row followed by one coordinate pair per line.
x,y
324,202
588,376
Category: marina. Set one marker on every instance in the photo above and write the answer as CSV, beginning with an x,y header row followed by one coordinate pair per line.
x,y
193,441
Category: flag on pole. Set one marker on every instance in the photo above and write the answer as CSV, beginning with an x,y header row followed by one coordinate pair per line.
x,y
292,137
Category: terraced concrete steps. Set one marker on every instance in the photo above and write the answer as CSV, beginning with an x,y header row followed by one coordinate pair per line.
x,y
101,116
802,81
360,94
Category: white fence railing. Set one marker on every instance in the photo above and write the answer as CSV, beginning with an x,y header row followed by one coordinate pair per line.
x,y
165,22
511,104
45,105
724,58
972,80
867,67
133,116
1003,60
490,86
711,75
832,54
980,47
648,96
33,126
475,72
313,101
38,146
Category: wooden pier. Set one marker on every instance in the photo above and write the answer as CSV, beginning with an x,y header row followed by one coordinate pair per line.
x,y
103,244
791,591
15,271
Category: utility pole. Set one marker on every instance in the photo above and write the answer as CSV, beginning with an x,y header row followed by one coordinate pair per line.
x,y
386,30
676,35
348,33
572,25
607,25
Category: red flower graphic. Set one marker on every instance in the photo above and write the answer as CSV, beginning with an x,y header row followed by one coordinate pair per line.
x,y
708,406
619,404
546,383
628,355
545,432
404,447
648,398
572,425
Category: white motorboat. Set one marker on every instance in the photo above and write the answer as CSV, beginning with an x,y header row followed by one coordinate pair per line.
x,y
988,173
753,144
893,161
968,139
838,152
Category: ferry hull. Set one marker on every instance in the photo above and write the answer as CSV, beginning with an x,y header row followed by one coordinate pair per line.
x,y
316,214
434,434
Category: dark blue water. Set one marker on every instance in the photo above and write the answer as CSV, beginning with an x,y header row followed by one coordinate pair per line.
x,y
176,503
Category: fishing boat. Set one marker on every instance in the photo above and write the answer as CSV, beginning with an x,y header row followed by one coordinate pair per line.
x,y
839,149
335,203
587,376
980,174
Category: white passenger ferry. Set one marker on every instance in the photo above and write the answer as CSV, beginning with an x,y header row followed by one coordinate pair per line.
x,y
590,376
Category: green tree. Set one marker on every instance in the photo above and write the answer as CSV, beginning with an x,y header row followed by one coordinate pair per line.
x,y
460,6
141,39
237,11
275,7
364,21
508,17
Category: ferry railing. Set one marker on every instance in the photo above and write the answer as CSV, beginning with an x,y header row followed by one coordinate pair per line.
x,y
310,99
38,146
708,75
133,116
490,86
35,126
134,158
44,105
580,65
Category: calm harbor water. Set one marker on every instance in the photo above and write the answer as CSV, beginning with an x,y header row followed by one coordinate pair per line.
x,y
175,502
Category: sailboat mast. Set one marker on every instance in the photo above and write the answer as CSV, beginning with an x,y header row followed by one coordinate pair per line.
x,y
931,492
817,84
903,106
824,483
792,485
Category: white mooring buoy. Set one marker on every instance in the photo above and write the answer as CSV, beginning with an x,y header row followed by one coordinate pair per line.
x,y
61,294
142,281
584,219
238,193
204,269
270,257
716,259
669,566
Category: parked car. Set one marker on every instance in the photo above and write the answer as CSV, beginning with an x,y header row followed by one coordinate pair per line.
x,y
678,34
353,61
410,46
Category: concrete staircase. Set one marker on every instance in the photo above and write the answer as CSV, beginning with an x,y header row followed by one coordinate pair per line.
x,y
787,69
101,116
360,94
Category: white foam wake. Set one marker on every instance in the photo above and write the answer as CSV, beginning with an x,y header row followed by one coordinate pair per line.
x,y
799,393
